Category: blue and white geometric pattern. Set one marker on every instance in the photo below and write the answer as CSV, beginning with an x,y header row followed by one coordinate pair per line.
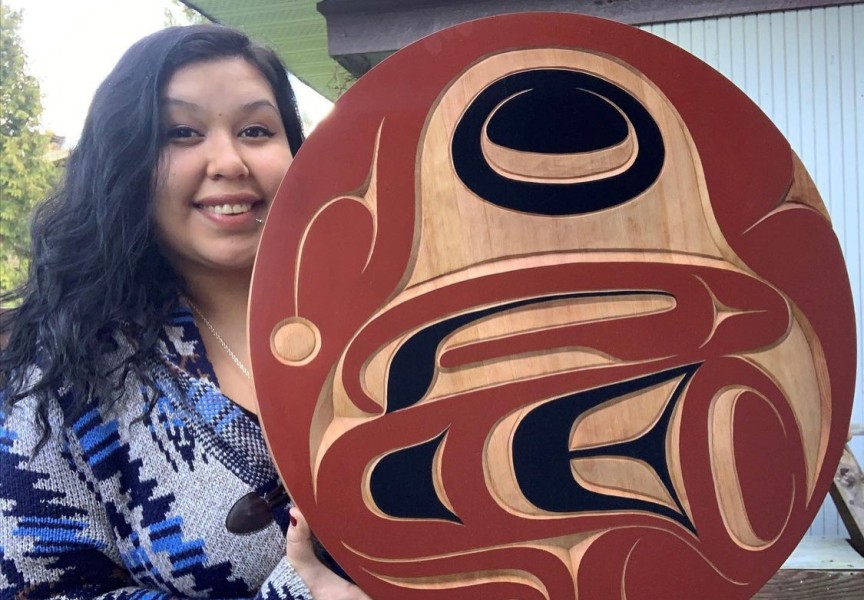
x,y
118,506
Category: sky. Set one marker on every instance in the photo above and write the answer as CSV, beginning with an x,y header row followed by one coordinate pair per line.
x,y
72,45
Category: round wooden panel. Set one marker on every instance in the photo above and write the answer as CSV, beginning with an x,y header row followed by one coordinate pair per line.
x,y
548,309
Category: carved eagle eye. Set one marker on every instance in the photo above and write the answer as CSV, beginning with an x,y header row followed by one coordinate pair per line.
x,y
557,142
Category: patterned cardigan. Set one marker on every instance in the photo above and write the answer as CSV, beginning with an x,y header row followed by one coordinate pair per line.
x,y
118,506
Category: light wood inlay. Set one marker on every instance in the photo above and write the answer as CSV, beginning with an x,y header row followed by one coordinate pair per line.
x,y
618,476
560,313
296,341
791,365
625,419
667,217
725,471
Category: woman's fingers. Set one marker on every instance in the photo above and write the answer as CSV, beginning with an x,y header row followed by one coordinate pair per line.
x,y
323,583
299,548
299,529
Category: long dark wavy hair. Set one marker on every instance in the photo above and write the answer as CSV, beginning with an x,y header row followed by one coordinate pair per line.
x,y
95,268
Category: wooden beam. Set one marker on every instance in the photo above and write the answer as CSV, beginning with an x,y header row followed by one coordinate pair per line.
x,y
362,32
813,585
847,491
819,569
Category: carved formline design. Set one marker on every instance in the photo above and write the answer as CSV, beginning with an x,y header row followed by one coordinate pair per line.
x,y
624,572
724,469
569,550
295,341
578,168
562,313
366,196
622,476
426,499
722,312
420,349
504,323
547,167
537,479
548,351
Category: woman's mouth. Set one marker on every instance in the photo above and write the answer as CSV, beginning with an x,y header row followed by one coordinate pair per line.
x,y
239,211
228,209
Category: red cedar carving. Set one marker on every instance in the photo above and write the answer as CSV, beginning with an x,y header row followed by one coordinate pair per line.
x,y
607,354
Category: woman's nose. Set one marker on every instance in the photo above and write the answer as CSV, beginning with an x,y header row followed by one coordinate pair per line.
x,y
225,159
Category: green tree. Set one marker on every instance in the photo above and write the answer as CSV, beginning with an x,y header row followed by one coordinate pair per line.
x,y
180,14
26,176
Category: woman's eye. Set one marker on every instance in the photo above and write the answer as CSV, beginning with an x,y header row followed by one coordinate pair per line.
x,y
257,131
181,133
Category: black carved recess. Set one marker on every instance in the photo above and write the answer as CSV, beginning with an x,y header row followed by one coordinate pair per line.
x,y
402,484
542,455
413,366
560,111
557,120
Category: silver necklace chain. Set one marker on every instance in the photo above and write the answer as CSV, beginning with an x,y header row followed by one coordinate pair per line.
x,y
219,339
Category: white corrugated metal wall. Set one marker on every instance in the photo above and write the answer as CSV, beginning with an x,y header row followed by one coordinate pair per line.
x,y
805,69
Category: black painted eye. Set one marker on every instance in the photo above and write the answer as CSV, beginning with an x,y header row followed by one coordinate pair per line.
x,y
561,120
555,142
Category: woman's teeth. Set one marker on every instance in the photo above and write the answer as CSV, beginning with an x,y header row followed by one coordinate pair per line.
x,y
229,209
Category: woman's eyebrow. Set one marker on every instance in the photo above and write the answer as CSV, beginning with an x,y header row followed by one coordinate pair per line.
x,y
247,107
182,104
250,106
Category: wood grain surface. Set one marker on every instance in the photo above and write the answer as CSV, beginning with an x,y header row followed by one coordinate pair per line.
x,y
847,491
814,585
548,309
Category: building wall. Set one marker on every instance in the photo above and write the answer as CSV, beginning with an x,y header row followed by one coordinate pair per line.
x,y
805,69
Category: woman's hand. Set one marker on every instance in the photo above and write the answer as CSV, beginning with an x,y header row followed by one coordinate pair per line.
x,y
323,583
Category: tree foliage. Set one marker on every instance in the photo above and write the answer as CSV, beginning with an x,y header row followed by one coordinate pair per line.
x,y
180,14
26,175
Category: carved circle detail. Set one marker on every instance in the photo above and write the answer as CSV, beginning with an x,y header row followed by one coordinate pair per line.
x,y
295,341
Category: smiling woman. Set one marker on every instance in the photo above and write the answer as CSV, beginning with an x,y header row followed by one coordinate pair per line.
x,y
226,151
117,417
225,155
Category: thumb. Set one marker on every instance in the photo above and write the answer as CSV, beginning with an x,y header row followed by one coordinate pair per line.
x,y
298,547
298,530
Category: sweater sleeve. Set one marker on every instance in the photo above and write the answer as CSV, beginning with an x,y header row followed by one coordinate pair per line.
x,y
284,584
56,538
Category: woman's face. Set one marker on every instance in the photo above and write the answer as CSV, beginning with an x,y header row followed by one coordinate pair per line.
x,y
225,154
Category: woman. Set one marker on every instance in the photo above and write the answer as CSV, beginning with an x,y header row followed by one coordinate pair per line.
x,y
130,460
